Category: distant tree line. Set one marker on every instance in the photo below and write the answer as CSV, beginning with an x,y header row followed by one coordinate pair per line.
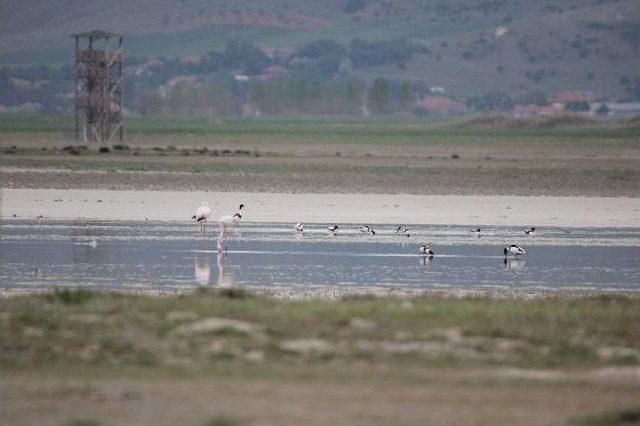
x,y
240,78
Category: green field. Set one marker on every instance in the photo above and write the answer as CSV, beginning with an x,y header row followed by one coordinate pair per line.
x,y
559,156
397,130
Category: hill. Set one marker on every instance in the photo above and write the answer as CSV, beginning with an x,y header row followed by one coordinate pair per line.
x,y
467,46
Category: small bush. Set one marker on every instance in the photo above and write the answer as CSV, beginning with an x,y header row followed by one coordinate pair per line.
x,y
120,147
104,150
71,296
234,293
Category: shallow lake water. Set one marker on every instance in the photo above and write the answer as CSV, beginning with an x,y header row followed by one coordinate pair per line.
x,y
167,257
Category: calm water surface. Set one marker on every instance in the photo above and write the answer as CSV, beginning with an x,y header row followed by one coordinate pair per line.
x,y
166,257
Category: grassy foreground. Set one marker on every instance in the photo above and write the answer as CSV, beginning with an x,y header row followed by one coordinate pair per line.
x,y
233,358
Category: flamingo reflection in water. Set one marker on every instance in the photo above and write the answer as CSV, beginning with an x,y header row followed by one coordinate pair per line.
x,y
225,278
202,268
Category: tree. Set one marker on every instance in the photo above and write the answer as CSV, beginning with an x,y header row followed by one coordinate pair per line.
x,y
319,48
406,97
577,106
536,97
492,101
379,96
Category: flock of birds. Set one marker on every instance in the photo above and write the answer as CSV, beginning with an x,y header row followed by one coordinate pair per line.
x,y
227,223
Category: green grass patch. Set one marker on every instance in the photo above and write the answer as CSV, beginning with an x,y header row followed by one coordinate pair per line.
x,y
151,332
360,130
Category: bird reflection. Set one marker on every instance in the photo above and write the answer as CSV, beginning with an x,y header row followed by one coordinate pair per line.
x,y
202,269
225,279
514,262
426,260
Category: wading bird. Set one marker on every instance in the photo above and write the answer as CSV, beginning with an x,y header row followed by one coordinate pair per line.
x,y
424,250
531,231
201,215
226,224
476,231
237,215
365,229
299,227
332,229
514,250
402,231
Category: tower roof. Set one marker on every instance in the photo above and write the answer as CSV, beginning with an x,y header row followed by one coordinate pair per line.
x,y
97,34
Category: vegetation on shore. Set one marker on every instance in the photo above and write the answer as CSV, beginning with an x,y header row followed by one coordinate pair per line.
x,y
489,155
213,330
229,357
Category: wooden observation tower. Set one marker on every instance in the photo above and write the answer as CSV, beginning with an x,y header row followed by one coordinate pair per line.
x,y
98,86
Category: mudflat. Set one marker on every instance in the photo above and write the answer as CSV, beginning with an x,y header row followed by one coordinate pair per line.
x,y
321,208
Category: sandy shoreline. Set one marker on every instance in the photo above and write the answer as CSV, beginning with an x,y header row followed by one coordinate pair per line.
x,y
340,208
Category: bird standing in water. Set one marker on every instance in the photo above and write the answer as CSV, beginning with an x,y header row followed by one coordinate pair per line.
x,y
424,250
514,250
201,215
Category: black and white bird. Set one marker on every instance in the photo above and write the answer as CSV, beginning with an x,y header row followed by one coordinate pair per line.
x,y
514,249
201,215
400,230
332,229
476,231
531,231
237,215
366,229
299,227
424,250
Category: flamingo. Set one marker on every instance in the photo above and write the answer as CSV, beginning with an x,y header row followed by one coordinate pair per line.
x,y
299,227
514,249
226,223
476,231
332,229
531,231
201,215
